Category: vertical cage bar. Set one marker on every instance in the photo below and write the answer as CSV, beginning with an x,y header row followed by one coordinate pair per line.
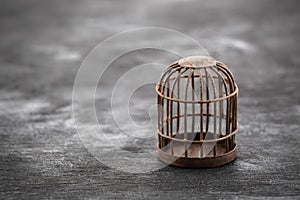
x,y
207,113
178,104
201,112
159,115
234,114
162,112
227,123
171,130
235,117
167,107
171,123
208,74
158,112
171,114
220,105
230,122
193,105
185,111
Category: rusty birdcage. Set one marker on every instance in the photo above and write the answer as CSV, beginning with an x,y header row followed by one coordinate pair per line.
x,y
197,113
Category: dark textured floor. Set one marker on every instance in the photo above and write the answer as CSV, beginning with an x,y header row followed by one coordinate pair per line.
x,y
42,45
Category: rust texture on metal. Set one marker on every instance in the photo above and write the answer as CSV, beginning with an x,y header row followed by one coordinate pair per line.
x,y
197,113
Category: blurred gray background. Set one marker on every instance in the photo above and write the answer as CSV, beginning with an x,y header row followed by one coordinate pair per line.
x,y
42,46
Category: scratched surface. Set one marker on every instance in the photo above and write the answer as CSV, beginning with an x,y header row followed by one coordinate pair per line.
x,y
42,45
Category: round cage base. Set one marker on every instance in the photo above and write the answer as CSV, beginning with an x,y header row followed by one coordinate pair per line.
x,y
193,160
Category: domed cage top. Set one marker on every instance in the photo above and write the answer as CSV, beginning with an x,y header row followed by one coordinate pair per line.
x,y
197,113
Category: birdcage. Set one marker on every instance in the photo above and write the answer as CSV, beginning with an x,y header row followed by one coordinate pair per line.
x,y
197,113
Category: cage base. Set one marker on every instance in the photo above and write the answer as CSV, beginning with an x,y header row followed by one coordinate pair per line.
x,y
193,160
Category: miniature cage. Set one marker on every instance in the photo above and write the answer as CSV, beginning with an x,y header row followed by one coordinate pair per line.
x,y
197,113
